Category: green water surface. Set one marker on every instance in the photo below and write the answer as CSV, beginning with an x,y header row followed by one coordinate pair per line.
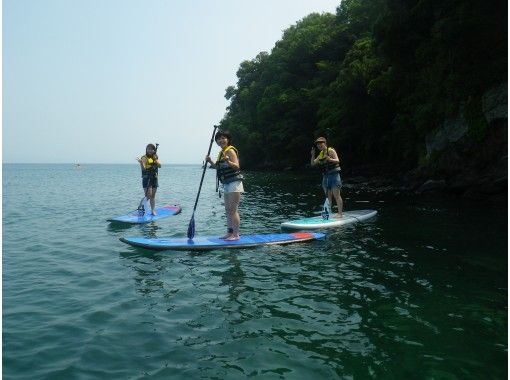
x,y
418,292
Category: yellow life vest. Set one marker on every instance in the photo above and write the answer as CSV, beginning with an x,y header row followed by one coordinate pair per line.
x,y
151,168
223,171
223,153
327,167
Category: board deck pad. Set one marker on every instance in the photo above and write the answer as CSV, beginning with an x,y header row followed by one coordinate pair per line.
x,y
211,242
317,222
135,217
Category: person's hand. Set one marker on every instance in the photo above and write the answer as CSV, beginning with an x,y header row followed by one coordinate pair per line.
x,y
208,159
138,159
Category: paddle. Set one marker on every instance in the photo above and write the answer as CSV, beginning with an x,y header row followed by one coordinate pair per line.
x,y
141,208
191,226
326,208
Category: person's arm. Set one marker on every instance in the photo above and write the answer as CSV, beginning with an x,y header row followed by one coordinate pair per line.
x,y
140,161
208,159
332,156
313,160
231,159
156,161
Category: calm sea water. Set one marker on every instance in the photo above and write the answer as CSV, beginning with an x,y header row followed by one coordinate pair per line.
x,y
419,292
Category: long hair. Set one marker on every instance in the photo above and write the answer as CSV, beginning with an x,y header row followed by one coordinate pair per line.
x,y
153,148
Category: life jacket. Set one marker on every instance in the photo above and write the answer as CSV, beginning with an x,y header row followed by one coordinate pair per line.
x,y
151,168
223,171
327,167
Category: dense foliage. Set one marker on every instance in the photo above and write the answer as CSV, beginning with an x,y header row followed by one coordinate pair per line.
x,y
375,78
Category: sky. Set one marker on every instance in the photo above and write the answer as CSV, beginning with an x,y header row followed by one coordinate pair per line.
x,y
95,81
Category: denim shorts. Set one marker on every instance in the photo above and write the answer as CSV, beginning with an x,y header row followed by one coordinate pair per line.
x,y
331,181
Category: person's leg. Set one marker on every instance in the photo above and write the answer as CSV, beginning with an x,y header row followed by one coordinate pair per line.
x,y
232,210
143,203
151,194
326,184
229,222
339,202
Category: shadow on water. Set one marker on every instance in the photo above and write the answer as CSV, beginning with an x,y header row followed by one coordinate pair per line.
x,y
118,226
149,230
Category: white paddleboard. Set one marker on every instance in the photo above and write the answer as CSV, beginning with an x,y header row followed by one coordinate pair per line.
x,y
317,222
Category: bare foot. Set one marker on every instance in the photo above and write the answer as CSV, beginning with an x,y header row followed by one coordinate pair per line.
x,y
154,213
224,237
233,238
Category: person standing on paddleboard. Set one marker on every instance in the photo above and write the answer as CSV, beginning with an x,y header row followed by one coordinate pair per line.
x,y
149,163
229,174
329,163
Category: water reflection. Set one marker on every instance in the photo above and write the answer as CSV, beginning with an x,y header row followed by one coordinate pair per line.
x,y
152,229
232,276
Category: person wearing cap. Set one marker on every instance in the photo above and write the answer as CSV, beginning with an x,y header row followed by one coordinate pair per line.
x,y
329,163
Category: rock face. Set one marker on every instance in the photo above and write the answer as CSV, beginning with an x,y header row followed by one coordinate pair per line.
x,y
461,164
495,103
451,131
432,185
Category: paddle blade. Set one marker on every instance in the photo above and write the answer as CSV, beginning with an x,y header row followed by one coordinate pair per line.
x,y
326,210
191,227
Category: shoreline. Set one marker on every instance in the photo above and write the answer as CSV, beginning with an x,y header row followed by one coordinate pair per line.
x,y
378,177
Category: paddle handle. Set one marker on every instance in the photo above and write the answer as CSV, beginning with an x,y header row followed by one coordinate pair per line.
x,y
212,140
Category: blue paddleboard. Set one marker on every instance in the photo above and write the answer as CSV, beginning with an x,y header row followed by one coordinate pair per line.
x,y
317,222
210,242
135,217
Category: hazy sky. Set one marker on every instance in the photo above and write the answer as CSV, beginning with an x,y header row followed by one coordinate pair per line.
x,y
94,81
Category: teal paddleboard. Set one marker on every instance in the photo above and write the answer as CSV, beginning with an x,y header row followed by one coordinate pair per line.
x,y
317,222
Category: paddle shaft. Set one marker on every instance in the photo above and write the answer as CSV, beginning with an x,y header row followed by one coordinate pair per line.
x,y
203,171
327,204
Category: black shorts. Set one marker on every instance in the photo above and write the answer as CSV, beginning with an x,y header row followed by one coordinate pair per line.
x,y
150,181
